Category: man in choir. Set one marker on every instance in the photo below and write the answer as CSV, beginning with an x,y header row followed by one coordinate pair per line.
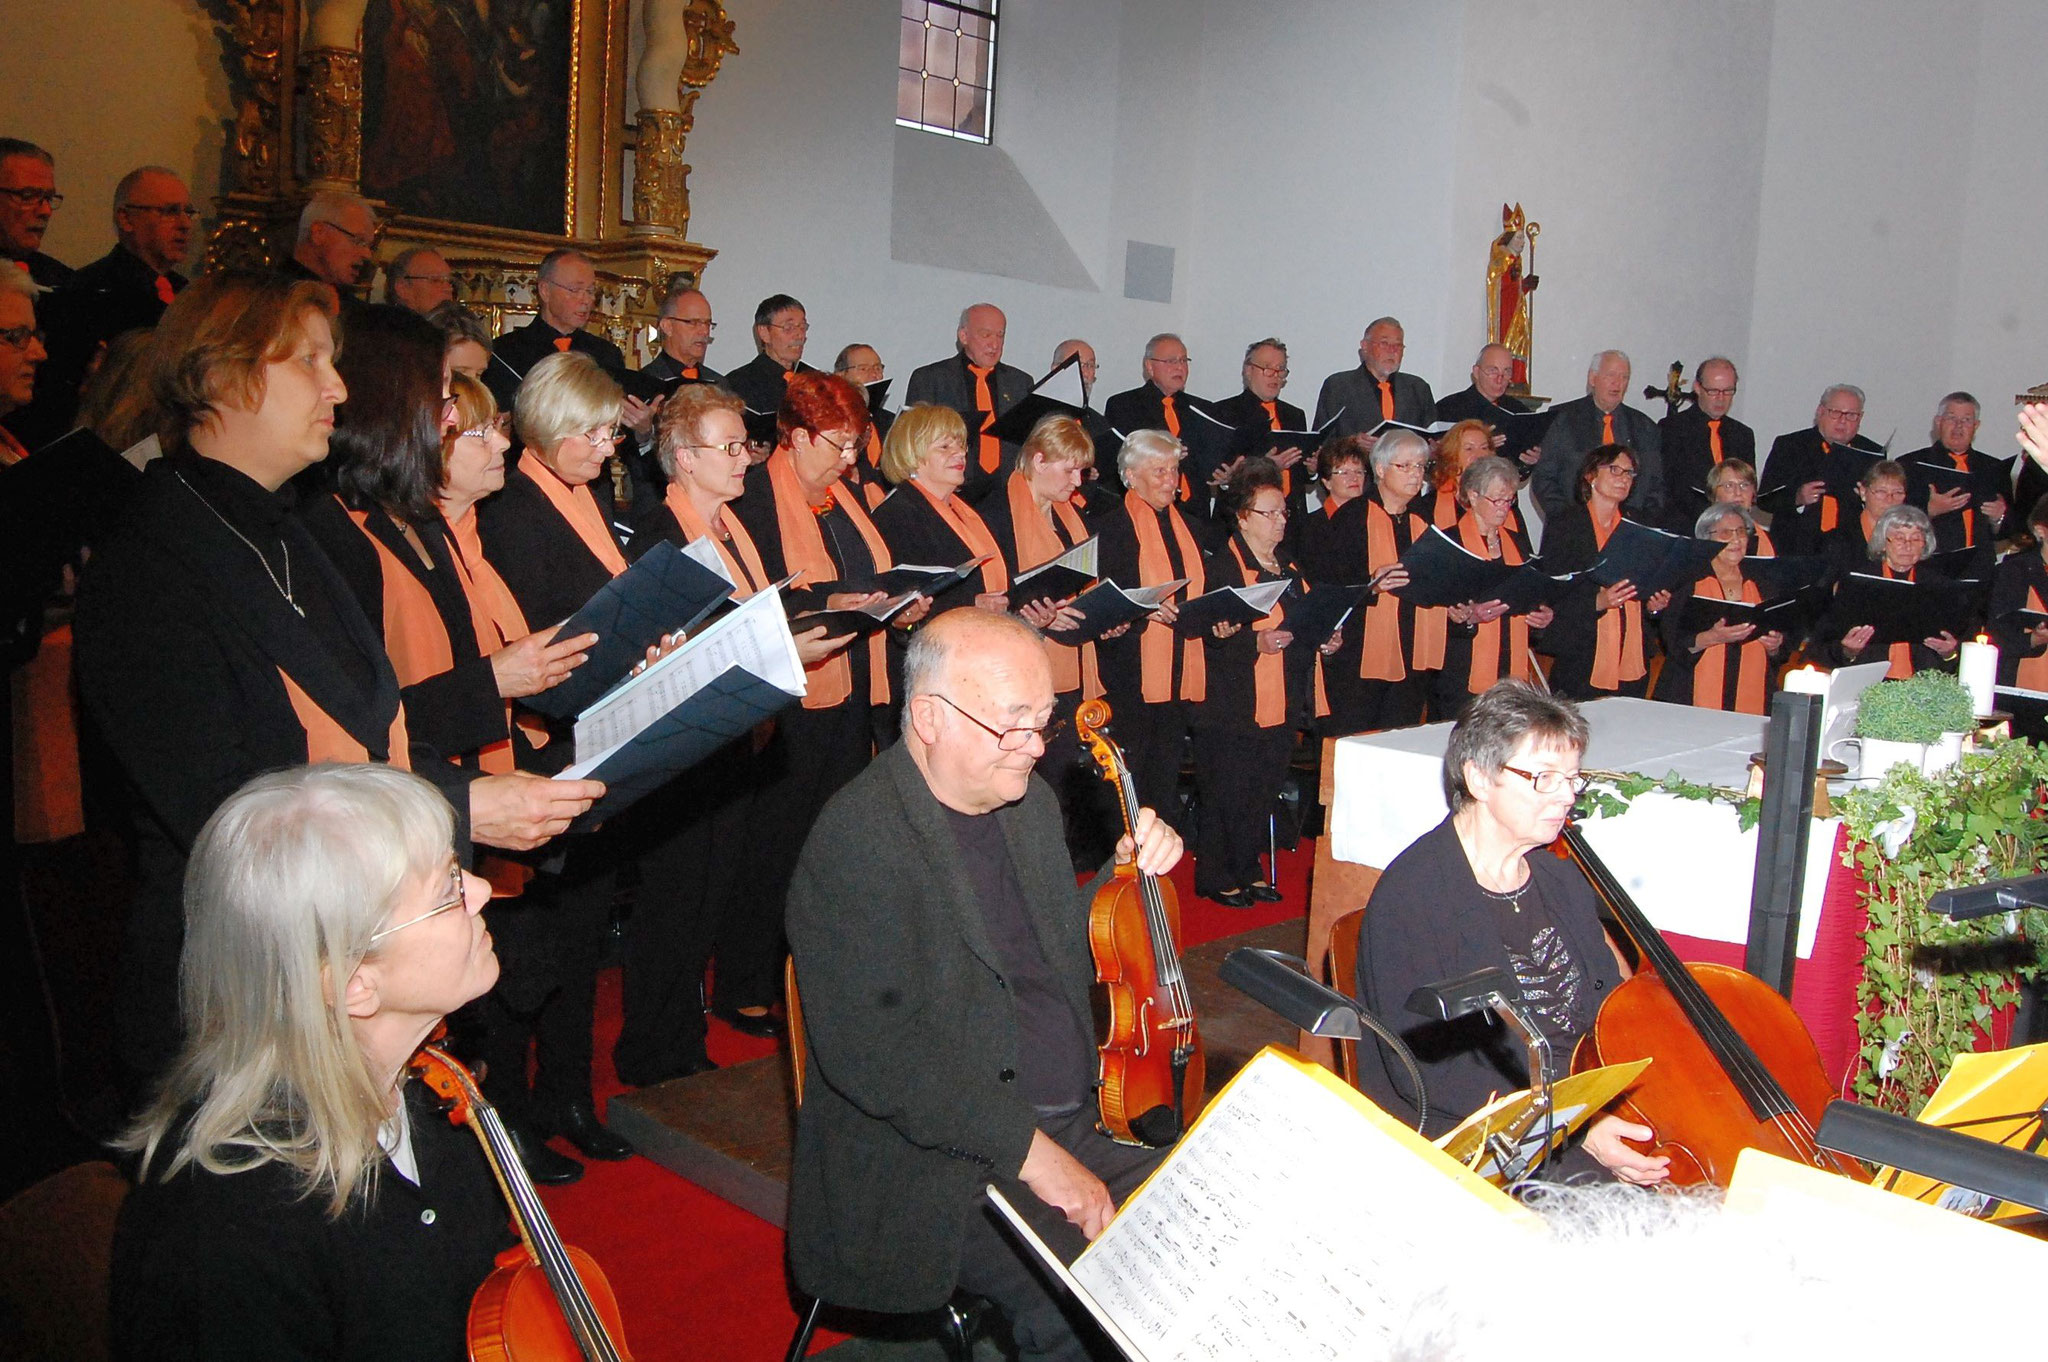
x,y
418,277
861,364
1601,417
942,957
28,199
337,235
1065,351
780,329
1809,478
1376,390
975,382
1969,498
1096,424
1487,400
21,355
686,333
1256,409
1696,441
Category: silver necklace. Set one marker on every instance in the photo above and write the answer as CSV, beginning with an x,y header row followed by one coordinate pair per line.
x,y
1513,897
284,588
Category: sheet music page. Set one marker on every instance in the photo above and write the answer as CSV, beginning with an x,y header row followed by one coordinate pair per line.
x,y
1263,596
1288,1226
1081,558
704,552
754,636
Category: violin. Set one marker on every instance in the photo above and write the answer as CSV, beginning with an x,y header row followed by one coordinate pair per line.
x,y
545,1301
1152,1067
1735,1067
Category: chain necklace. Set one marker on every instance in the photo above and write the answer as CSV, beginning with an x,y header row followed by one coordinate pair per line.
x,y
284,588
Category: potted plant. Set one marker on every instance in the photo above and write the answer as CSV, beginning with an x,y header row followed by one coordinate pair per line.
x,y
1919,721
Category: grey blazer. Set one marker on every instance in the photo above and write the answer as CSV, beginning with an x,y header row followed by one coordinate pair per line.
x,y
911,1103
1575,428
1353,392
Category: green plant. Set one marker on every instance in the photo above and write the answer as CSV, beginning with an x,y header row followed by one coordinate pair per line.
x,y
1931,985
1920,709
1611,792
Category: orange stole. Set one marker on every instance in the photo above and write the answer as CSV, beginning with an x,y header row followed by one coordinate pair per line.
x,y
327,740
966,522
1155,650
1380,646
578,507
1764,548
1618,639
1269,677
1709,674
414,636
742,560
1899,654
49,794
2033,671
830,682
1037,542
498,620
1485,668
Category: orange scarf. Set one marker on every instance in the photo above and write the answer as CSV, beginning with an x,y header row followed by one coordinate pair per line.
x,y
1618,640
327,740
804,552
1899,654
1485,668
1380,656
966,522
1709,674
1037,542
1155,568
414,635
1830,513
579,508
1269,675
498,620
2033,671
745,570
1764,547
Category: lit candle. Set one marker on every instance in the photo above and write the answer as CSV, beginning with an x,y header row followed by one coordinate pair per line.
x,y
1807,681
1979,673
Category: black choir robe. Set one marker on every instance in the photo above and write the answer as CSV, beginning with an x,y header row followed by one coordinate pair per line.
x,y
1575,430
1689,458
1826,638
1469,404
1249,416
1675,677
113,294
664,370
918,536
514,355
1569,544
760,383
545,563
2017,574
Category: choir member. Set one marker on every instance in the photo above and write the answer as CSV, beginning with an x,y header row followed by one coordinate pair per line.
x,y
687,333
1809,473
28,200
1598,638
1487,400
1258,689
975,382
1340,480
1732,482
1899,539
1380,675
1697,439
1727,665
804,517
2021,583
1152,675
781,329
1970,515
861,365
216,640
1601,417
1847,546
337,236
1100,485
298,1192
1456,450
1482,642
1257,409
419,278
927,520
1377,390
467,339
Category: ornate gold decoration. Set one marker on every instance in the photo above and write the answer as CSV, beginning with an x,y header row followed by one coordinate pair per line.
x,y
1510,282
331,83
661,179
252,49
710,30
237,242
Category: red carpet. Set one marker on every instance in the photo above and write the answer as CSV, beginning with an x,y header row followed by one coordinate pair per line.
x,y
699,1278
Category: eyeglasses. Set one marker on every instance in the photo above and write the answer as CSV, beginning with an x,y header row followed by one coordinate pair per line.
x,y
1178,362
21,337
705,322
427,278
1554,782
798,327
497,425
1841,415
34,198
458,897
1502,502
573,290
1280,511
732,449
1010,739
1618,471
851,441
166,210
366,242
605,435
1269,370
1714,392
1408,465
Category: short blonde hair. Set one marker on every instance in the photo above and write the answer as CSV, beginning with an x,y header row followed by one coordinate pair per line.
x,y
1061,439
564,395
682,419
917,429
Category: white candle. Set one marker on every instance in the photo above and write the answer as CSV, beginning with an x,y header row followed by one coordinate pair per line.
x,y
1979,672
1807,681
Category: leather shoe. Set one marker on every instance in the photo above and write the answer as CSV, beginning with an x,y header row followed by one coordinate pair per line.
x,y
766,1026
1264,893
1231,898
578,1124
542,1164
689,1068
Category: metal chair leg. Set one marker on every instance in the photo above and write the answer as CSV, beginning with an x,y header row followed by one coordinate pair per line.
x,y
804,1329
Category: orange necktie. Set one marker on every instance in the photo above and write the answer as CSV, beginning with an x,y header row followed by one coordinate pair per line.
x,y
1172,417
164,292
788,376
991,449
562,343
1607,429
1387,400
1962,463
1714,438
1272,414
874,447
690,373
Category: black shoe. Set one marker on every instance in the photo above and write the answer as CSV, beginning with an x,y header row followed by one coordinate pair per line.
x,y
1264,893
1231,898
689,1068
578,1124
542,1164
766,1026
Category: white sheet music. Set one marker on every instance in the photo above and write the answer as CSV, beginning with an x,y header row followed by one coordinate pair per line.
x,y
1081,558
754,636
1285,1228
704,552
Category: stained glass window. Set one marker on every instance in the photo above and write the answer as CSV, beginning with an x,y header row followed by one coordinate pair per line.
x,y
946,67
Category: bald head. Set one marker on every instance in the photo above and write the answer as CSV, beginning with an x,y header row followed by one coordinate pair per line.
x,y
968,676
981,332
1066,350
1492,371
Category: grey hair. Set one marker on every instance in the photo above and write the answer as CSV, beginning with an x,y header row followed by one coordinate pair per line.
x,y
970,308
1395,442
1394,322
17,281
1600,358
1827,394
1711,518
1160,340
328,205
564,395
287,884
1141,445
1269,343
1483,473
1955,399
458,323
1496,721
126,188
1901,516
924,661
402,262
552,261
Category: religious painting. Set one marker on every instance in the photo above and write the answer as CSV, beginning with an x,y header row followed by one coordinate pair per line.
x,y
466,110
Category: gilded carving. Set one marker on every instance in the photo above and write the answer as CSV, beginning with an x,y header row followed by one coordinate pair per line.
x,y
252,49
661,179
237,242
710,35
331,82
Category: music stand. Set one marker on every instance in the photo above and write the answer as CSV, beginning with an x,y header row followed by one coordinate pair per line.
x,y
1493,988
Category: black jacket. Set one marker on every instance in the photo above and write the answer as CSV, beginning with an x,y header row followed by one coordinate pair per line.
x,y
917,536
949,383
1799,457
760,383
1689,458
1575,429
1355,393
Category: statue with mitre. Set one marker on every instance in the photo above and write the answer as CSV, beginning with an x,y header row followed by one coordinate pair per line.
x,y
1508,287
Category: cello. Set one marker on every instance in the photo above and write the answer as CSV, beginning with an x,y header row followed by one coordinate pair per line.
x,y
545,1301
1151,1074
1735,1067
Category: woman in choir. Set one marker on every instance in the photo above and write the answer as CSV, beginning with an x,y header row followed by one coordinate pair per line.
x,y
1599,639
1732,482
1258,695
1380,675
1847,546
1468,895
925,520
806,517
1484,642
298,1193
215,638
2021,583
1152,675
1341,479
1727,665
467,338
1899,538
1457,449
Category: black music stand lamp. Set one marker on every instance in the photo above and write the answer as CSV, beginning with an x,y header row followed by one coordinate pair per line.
x,y
1493,989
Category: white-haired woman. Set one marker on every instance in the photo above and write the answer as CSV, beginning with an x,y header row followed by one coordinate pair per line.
x,y
1728,665
298,1195
1899,539
1380,674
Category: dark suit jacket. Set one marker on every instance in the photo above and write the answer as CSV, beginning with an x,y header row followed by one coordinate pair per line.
x,y
1356,393
911,1103
1575,429
113,294
669,374
1989,478
549,570
1689,458
947,383
915,534
1797,458
759,383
